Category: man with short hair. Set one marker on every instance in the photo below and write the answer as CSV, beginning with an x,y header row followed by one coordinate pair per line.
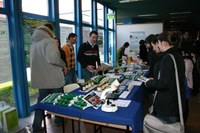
x,y
88,56
121,53
70,77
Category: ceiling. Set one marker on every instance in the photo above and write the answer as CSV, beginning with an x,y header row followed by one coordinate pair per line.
x,y
175,14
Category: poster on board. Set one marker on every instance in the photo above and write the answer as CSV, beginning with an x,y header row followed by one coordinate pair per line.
x,y
135,37
29,25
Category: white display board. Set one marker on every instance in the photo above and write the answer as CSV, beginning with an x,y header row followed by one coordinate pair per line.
x,y
134,33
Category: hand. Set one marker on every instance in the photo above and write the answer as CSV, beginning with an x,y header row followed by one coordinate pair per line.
x,y
90,68
65,70
145,83
99,68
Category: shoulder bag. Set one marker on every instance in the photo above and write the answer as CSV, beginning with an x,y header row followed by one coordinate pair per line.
x,y
152,124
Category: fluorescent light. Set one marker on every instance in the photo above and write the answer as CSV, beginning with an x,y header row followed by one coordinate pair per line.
x,y
127,1
124,1
147,15
178,13
176,17
174,21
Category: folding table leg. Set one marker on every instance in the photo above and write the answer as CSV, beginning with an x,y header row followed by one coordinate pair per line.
x,y
127,129
96,129
73,126
45,127
63,125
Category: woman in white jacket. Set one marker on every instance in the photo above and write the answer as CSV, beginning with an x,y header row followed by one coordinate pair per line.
x,y
46,68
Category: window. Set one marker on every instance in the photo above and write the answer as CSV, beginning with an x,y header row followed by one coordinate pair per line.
x,y
101,44
66,9
65,29
39,7
110,47
100,18
86,11
110,20
86,32
29,26
1,3
6,86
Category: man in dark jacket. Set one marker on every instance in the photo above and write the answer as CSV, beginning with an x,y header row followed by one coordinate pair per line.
x,y
88,56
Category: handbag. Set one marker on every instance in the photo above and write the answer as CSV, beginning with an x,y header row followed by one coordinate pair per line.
x,y
152,124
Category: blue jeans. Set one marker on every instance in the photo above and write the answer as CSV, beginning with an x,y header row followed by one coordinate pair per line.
x,y
70,77
37,122
86,74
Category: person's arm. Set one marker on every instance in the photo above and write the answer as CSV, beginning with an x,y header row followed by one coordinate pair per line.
x,y
53,54
80,56
166,73
123,52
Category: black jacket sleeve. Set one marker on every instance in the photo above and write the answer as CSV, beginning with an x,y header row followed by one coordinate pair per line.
x,y
167,74
80,56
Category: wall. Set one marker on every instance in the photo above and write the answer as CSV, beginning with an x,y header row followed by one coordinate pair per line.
x,y
125,33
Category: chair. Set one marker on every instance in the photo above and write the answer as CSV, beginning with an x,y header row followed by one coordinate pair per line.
x,y
70,87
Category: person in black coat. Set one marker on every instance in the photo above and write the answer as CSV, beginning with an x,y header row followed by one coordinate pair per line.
x,y
151,55
143,51
166,102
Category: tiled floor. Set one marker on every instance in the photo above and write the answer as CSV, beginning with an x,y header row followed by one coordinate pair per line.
x,y
193,124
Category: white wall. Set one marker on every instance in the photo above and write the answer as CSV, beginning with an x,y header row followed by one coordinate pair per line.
x,y
123,33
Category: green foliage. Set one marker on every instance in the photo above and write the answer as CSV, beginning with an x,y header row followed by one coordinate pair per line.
x,y
6,93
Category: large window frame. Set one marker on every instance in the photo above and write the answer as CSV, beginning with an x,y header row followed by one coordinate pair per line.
x,y
6,82
16,15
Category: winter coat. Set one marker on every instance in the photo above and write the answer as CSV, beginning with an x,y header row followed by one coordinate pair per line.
x,y
166,102
88,55
45,62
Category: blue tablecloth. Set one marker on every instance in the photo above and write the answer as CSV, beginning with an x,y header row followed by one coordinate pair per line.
x,y
130,116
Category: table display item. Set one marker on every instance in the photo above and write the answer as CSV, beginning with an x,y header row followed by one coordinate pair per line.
x,y
71,100
98,79
93,99
50,98
87,86
107,106
64,99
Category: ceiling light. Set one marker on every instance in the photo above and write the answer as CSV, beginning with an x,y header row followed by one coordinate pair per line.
x,y
147,15
176,17
174,21
178,13
127,1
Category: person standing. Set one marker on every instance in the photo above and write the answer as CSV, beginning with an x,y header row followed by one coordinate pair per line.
x,y
70,76
46,69
166,102
88,56
121,53
143,51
